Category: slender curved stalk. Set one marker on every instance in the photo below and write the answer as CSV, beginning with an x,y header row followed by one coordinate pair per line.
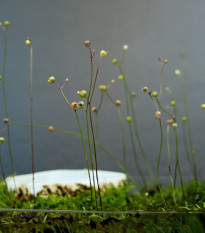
x,y
139,140
5,103
91,157
95,153
84,137
135,156
169,166
188,117
177,165
158,161
123,139
31,118
86,157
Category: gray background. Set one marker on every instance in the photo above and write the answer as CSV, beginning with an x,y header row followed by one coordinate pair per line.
x,y
58,29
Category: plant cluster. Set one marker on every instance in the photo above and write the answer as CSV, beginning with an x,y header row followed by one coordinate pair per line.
x,y
89,138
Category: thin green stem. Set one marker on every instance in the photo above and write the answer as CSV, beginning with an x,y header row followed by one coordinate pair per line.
x,y
169,166
177,165
96,75
95,153
91,157
135,156
78,135
5,103
86,157
158,161
91,73
123,138
188,117
139,140
31,118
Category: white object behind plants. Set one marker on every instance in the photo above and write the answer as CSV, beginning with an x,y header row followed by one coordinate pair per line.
x,y
68,178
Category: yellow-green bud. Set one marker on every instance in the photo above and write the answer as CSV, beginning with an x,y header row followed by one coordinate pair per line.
x,y
51,80
184,119
172,103
177,72
121,77
94,109
7,23
103,53
114,61
128,119
203,106
74,105
174,125
145,89
133,94
170,122
82,93
165,61
154,94
51,128
6,120
28,42
87,43
157,115
118,103
102,88
2,140
81,104
0,77
125,47
112,81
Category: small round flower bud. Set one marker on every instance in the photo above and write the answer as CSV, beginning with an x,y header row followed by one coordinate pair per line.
x,y
82,93
170,122
51,80
0,77
133,94
2,140
66,80
177,72
112,81
203,106
128,119
94,109
118,103
184,119
114,61
7,23
6,120
81,104
121,77
172,103
146,194
165,61
28,42
87,43
174,125
145,89
154,94
74,105
125,47
102,88
51,128
103,53
157,115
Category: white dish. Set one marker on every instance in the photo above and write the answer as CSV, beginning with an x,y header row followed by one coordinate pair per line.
x,y
69,178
